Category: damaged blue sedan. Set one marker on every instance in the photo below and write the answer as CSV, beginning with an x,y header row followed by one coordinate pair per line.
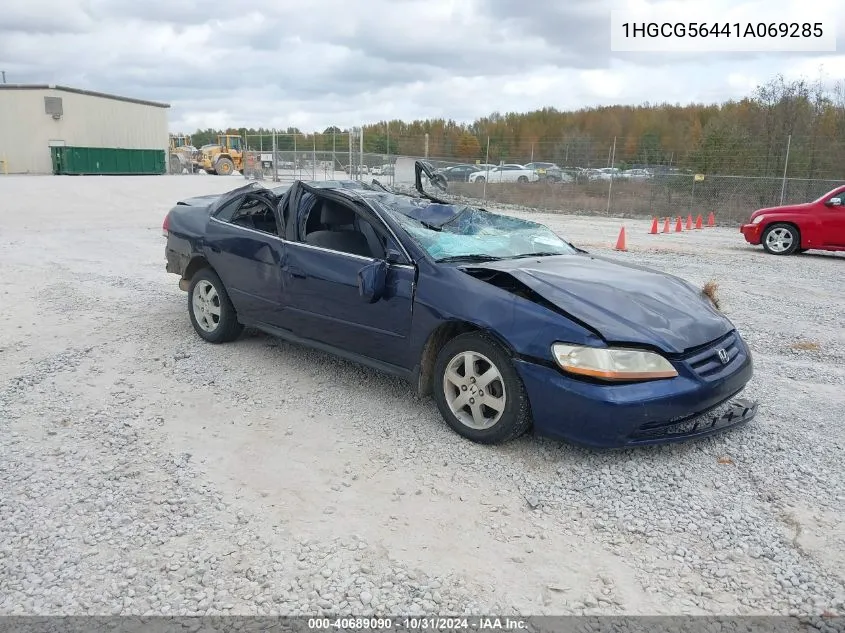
x,y
508,326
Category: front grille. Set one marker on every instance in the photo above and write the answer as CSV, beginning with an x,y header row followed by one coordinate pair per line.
x,y
719,358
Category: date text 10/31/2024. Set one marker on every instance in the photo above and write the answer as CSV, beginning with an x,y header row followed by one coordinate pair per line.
x,y
421,623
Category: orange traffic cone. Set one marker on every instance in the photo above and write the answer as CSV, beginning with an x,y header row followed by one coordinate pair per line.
x,y
689,223
653,230
679,226
666,226
620,242
698,224
711,219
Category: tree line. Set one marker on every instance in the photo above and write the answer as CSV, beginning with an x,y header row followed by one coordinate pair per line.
x,y
797,124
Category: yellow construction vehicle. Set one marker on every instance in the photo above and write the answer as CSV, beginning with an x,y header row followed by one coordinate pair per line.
x,y
183,156
224,157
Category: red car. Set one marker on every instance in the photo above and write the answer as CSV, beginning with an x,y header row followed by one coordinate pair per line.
x,y
795,228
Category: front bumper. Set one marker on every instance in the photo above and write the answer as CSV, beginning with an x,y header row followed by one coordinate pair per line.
x,y
656,412
751,232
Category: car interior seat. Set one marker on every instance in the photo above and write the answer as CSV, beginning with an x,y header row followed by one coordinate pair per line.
x,y
337,231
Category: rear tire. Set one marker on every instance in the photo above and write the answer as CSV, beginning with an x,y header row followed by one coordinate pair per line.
x,y
478,391
522,179
480,179
781,239
210,309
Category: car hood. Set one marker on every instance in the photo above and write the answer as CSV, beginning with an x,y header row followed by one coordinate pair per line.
x,y
792,208
624,303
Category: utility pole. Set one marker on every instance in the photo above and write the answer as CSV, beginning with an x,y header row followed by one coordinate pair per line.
x,y
3,72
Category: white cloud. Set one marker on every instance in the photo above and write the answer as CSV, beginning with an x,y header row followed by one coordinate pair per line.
x,y
280,63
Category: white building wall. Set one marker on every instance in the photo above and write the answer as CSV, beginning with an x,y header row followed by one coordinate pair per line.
x,y
26,131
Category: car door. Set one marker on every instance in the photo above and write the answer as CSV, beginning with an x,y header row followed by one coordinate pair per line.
x,y
832,218
464,172
244,245
322,299
510,173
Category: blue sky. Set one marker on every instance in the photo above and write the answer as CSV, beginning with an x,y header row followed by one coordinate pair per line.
x,y
315,63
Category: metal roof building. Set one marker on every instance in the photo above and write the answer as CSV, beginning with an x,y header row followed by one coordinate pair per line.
x,y
36,118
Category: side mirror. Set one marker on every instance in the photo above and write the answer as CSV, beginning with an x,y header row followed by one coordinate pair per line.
x,y
834,202
372,281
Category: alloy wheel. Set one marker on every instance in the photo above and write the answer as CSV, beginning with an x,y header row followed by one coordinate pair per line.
x,y
206,304
474,390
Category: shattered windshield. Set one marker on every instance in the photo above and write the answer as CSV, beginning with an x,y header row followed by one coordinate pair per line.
x,y
455,231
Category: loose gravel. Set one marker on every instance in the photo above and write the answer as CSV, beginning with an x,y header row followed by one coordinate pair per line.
x,y
146,472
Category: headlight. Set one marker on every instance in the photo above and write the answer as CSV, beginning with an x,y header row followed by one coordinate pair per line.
x,y
758,219
612,363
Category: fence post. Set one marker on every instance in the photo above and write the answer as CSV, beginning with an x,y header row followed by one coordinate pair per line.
x,y
388,149
314,157
273,162
296,170
692,195
426,144
349,164
334,149
361,151
785,166
610,185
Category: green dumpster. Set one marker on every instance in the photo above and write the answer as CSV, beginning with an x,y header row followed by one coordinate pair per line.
x,y
107,161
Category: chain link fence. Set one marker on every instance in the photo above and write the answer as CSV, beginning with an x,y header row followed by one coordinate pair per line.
x,y
561,176
337,156
730,198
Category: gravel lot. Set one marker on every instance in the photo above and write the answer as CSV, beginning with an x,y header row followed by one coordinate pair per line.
x,y
144,471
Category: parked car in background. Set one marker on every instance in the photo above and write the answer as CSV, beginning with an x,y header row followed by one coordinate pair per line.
x,y
457,173
505,173
550,172
609,173
636,174
589,173
795,228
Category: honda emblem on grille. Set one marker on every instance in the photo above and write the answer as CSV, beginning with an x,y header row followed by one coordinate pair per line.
x,y
723,356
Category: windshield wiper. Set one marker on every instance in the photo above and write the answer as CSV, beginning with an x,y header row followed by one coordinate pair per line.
x,y
470,258
538,254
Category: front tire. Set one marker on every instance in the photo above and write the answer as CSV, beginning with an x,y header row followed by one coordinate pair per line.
x,y
224,167
781,239
478,391
212,313
480,179
522,179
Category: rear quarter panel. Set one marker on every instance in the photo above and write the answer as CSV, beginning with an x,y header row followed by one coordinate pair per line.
x,y
187,226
